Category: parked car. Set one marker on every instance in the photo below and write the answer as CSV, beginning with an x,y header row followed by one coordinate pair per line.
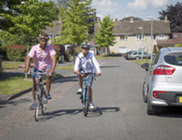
x,y
162,85
136,55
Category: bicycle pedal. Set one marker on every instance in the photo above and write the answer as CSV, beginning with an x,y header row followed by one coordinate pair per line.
x,y
78,93
81,96
45,101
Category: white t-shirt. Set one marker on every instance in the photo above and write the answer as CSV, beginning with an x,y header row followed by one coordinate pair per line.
x,y
88,64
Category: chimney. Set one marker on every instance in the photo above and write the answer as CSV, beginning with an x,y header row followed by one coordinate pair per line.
x,y
165,18
131,19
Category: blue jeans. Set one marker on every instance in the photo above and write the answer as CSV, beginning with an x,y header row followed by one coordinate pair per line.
x,y
39,71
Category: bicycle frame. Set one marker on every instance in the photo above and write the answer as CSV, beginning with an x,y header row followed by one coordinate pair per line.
x,y
39,93
87,82
88,78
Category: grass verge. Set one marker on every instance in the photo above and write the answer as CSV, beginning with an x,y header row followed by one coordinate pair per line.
x,y
67,67
11,65
17,84
141,61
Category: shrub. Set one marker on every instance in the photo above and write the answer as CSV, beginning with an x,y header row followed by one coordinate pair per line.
x,y
57,49
178,45
16,53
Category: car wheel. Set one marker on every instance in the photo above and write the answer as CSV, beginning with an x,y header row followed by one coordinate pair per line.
x,y
151,110
137,58
144,92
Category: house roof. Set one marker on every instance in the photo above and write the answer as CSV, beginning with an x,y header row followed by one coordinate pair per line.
x,y
128,27
173,41
55,30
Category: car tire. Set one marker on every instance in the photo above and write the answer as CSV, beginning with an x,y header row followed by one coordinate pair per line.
x,y
151,110
144,92
137,58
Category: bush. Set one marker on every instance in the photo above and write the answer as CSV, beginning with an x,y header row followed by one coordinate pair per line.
x,y
178,45
57,49
16,53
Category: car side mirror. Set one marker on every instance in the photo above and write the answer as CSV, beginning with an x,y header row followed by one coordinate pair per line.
x,y
145,66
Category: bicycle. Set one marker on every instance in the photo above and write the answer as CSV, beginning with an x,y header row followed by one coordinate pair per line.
x,y
88,78
40,99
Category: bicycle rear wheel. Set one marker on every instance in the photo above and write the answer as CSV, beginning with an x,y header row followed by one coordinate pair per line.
x,y
86,101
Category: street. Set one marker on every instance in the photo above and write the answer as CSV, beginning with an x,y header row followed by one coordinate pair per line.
x,y
119,114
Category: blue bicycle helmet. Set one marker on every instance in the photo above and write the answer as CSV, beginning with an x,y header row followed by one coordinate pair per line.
x,y
85,45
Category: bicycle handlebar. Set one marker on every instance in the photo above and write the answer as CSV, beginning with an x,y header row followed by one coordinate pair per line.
x,y
39,73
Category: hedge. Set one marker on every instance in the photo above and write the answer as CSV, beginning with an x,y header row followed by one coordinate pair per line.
x,y
16,53
57,49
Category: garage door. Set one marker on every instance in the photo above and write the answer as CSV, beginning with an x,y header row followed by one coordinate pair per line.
x,y
123,49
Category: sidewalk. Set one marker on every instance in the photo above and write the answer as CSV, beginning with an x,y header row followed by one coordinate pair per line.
x,y
7,73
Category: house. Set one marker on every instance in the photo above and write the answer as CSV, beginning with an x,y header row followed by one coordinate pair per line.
x,y
176,39
136,35
54,31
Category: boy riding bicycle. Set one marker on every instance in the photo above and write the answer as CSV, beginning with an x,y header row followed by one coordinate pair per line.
x,y
86,63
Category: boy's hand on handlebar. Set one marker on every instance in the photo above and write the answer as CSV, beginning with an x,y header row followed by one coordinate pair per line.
x,y
98,74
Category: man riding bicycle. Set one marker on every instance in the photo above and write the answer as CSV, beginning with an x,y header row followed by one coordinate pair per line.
x,y
44,57
86,63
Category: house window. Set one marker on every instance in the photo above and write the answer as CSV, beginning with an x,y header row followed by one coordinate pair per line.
x,y
161,36
123,37
140,37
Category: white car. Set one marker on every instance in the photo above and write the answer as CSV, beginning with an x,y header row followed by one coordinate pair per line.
x,y
162,85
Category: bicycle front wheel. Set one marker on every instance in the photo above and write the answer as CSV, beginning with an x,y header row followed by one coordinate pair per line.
x,y
87,101
37,104
42,105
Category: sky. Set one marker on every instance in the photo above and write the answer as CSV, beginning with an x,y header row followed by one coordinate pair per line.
x,y
137,8
125,8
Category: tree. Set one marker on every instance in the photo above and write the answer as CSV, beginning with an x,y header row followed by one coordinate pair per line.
x,y
104,37
174,15
27,18
62,3
129,18
74,18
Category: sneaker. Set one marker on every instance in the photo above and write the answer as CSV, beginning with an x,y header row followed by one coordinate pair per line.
x,y
32,107
48,96
91,105
79,91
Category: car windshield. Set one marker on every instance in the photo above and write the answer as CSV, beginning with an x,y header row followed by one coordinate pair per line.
x,y
174,58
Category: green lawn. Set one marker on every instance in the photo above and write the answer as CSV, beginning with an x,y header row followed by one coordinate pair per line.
x,y
141,61
17,84
14,85
12,65
67,67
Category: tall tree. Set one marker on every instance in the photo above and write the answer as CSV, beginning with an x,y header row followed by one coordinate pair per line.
x,y
131,17
174,15
62,2
27,18
74,18
104,37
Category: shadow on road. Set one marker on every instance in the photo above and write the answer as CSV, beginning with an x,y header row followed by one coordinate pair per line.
x,y
66,79
14,103
98,111
92,113
109,67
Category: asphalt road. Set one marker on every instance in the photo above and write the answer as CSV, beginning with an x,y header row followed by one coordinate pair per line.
x,y
120,113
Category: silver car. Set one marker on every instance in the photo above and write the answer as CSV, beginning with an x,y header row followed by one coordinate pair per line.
x,y
162,85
